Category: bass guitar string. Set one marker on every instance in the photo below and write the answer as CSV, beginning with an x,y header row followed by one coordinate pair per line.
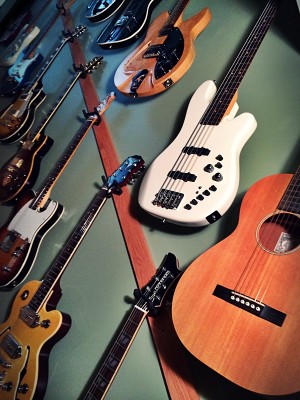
x,y
221,94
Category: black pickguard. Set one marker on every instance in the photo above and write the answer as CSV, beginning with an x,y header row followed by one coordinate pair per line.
x,y
167,54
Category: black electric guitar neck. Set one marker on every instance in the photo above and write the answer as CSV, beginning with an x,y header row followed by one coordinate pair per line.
x,y
150,298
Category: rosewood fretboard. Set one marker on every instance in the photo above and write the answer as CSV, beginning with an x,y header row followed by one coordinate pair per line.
x,y
174,15
216,110
113,360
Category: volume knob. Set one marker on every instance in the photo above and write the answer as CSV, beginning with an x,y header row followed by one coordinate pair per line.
x,y
218,177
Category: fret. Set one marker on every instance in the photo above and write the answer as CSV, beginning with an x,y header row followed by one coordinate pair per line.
x,y
173,17
218,107
66,253
148,296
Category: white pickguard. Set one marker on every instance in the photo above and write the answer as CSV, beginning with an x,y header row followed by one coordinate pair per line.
x,y
205,197
28,222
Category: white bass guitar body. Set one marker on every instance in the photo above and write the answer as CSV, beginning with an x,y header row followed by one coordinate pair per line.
x,y
195,179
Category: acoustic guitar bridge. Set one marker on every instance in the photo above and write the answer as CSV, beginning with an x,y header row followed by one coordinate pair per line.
x,y
248,304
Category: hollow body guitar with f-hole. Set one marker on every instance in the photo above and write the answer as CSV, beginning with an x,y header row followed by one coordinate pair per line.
x,y
237,307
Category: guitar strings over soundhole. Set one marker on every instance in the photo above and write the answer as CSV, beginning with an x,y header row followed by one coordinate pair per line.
x,y
279,233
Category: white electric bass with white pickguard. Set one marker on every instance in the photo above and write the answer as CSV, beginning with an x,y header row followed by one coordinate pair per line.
x,y
195,179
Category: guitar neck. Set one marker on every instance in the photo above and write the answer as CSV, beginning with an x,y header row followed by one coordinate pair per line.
x,y
231,82
104,378
174,15
45,122
290,201
60,264
43,193
33,46
38,78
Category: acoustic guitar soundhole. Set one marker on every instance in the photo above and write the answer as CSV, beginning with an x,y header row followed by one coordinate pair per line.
x,y
280,233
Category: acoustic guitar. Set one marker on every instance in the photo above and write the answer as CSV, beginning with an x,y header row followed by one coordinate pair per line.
x,y
149,300
21,237
21,170
195,179
34,325
237,307
165,54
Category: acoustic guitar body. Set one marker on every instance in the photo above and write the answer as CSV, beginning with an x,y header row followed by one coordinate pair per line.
x,y
237,306
161,60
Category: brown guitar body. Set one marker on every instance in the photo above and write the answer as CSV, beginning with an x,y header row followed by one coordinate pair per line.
x,y
21,170
250,351
29,370
136,61
16,119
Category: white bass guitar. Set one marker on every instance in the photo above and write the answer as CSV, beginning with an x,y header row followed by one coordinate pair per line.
x,y
195,179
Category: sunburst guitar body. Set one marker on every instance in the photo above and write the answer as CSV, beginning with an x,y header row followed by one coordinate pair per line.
x,y
237,306
163,57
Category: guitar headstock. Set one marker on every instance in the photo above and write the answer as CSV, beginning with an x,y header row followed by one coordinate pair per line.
x,y
129,170
156,289
89,67
102,107
105,103
79,30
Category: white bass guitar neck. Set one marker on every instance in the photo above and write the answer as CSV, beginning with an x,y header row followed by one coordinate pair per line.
x,y
195,179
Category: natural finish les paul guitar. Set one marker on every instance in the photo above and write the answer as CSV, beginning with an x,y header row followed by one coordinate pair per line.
x,y
237,306
165,54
